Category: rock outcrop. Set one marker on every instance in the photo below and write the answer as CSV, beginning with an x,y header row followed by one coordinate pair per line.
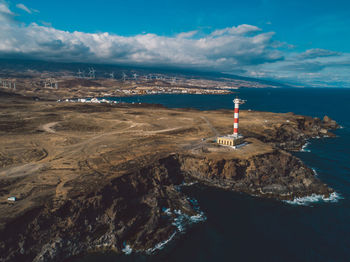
x,y
128,210
277,175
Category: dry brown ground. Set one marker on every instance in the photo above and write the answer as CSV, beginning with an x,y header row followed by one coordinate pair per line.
x,y
53,151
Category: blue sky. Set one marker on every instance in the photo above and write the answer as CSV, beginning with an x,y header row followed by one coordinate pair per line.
x,y
294,41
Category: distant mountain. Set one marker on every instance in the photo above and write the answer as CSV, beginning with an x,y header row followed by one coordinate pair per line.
x,y
24,68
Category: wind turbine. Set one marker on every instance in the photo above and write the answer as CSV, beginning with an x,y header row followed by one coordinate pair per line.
x,y
135,76
92,73
112,75
79,73
124,76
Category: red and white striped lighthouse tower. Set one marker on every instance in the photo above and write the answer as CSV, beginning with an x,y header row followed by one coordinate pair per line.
x,y
237,102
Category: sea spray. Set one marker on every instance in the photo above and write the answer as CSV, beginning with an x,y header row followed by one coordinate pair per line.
x,y
127,250
160,245
304,147
181,221
314,198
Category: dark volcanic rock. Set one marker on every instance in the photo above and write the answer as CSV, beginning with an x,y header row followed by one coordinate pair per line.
x,y
277,175
126,210
292,137
329,123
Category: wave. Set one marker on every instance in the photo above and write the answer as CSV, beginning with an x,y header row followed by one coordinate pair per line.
x,y
185,184
304,147
189,183
127,250
314,198
315,172
160,245
181,221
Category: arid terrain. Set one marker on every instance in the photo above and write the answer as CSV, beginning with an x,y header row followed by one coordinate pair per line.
x,y
97,176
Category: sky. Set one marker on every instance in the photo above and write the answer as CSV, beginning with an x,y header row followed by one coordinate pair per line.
x,y
305,42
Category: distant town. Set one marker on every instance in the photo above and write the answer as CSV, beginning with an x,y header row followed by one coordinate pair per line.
x,y
88,82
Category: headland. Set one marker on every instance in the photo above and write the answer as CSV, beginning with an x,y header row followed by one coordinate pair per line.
x,y
90,177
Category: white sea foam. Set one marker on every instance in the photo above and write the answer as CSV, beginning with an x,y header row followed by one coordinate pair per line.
x,y
181,221
167,211
160,245
304,147
315,172
314,198
185,184
127,250
189,183
198,218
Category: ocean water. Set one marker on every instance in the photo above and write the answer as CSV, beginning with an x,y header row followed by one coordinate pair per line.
x,y
239,227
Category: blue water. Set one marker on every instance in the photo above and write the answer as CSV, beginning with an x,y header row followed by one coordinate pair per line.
x,y
244,228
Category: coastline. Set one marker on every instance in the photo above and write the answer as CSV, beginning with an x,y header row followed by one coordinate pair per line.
x,y
101,186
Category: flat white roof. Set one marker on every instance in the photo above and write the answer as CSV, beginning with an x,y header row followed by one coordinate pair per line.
x,y
230,137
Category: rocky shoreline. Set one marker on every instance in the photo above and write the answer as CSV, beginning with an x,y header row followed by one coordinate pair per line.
x,y
136,209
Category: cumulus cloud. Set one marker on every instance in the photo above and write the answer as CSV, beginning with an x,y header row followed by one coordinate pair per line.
x,y
6,15
24,8
308,67
318,52
225,49
236,30
243,49
187,34
330,71
4,10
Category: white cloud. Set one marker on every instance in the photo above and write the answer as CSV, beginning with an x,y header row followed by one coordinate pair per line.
x,y
243,48
239,30
229,49
24,8
187,34
318,52
6,15
4,9
330,71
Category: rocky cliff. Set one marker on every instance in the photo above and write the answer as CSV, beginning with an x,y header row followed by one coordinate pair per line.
x,y
127,211
276,175
115,187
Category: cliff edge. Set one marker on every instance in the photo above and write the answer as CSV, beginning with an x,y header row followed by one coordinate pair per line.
x,y
105,177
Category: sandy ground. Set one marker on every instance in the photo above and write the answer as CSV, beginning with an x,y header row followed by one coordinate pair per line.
x,y
52,151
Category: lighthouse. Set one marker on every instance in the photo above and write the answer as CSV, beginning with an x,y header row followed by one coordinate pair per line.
x,y
234,140
237,102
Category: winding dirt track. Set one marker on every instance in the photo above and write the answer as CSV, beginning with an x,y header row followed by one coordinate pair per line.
x,y
86,145
48,127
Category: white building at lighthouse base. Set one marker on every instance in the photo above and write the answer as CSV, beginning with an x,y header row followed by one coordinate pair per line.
x,y
230,140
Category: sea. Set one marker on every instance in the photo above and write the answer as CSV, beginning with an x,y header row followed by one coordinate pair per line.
x,y
239,227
